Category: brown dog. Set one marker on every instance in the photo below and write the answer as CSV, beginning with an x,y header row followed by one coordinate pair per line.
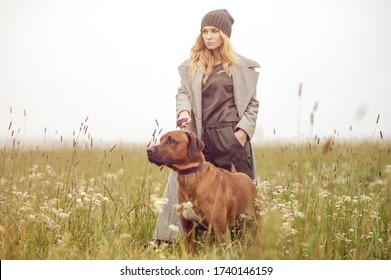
x,y
210,198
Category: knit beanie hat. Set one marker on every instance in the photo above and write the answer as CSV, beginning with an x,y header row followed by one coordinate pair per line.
x,y
220,19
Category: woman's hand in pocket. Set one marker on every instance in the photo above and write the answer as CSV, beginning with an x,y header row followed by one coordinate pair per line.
x,y
241,135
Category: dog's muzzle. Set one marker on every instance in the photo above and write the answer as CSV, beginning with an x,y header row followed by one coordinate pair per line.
x,y
154,157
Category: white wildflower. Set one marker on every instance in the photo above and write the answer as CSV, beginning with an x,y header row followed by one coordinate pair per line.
x,y
173,228
49,222
120,172
187,205
83,194
96,201
109,175
347,199
53,201
375,215
33,168
378,182
19,194
287,230
3,181
367,236
50,171
159,203
25,208
364,198
98,195
124,236
79,203
64,215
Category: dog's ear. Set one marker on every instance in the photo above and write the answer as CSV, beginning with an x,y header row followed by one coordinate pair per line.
x,y
195,144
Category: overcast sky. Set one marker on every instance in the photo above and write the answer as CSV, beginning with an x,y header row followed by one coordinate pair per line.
x,y
115,62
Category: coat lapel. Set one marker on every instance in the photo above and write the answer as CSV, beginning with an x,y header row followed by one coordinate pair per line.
x,y
244,82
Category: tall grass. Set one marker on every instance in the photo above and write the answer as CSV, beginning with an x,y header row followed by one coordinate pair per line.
x,y
332,200
325,199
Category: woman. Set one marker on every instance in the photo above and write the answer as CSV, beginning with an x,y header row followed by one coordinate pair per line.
x,y
217,101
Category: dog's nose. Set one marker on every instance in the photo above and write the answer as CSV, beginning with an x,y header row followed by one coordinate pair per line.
x,y
150,150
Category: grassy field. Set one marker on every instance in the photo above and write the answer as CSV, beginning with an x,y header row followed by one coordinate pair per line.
x,y
321,200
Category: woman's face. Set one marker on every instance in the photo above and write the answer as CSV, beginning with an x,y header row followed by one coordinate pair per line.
x,y
212,37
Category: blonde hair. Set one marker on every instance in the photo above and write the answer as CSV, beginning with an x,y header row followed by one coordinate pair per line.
x,y
203,60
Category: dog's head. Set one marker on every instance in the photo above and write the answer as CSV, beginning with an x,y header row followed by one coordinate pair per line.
x,y
179,150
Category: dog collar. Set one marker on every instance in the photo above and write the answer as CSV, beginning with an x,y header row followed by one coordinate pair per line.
x,y
192,170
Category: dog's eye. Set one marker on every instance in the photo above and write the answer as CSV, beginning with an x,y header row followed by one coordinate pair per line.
x,y
170,141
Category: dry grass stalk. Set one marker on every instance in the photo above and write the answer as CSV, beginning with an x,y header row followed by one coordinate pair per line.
x,y
327,146
374,131
299,111
113,148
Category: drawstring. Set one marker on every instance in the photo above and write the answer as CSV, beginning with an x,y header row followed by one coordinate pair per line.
x,y
219,125
209,126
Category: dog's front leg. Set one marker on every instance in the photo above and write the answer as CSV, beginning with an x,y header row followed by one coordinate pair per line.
x,y
220,235
219,227
190,236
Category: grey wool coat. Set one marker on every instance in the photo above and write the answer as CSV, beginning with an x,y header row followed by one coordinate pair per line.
x,y
189,97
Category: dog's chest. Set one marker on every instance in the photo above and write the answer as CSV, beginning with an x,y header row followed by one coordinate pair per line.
x,y
188,200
